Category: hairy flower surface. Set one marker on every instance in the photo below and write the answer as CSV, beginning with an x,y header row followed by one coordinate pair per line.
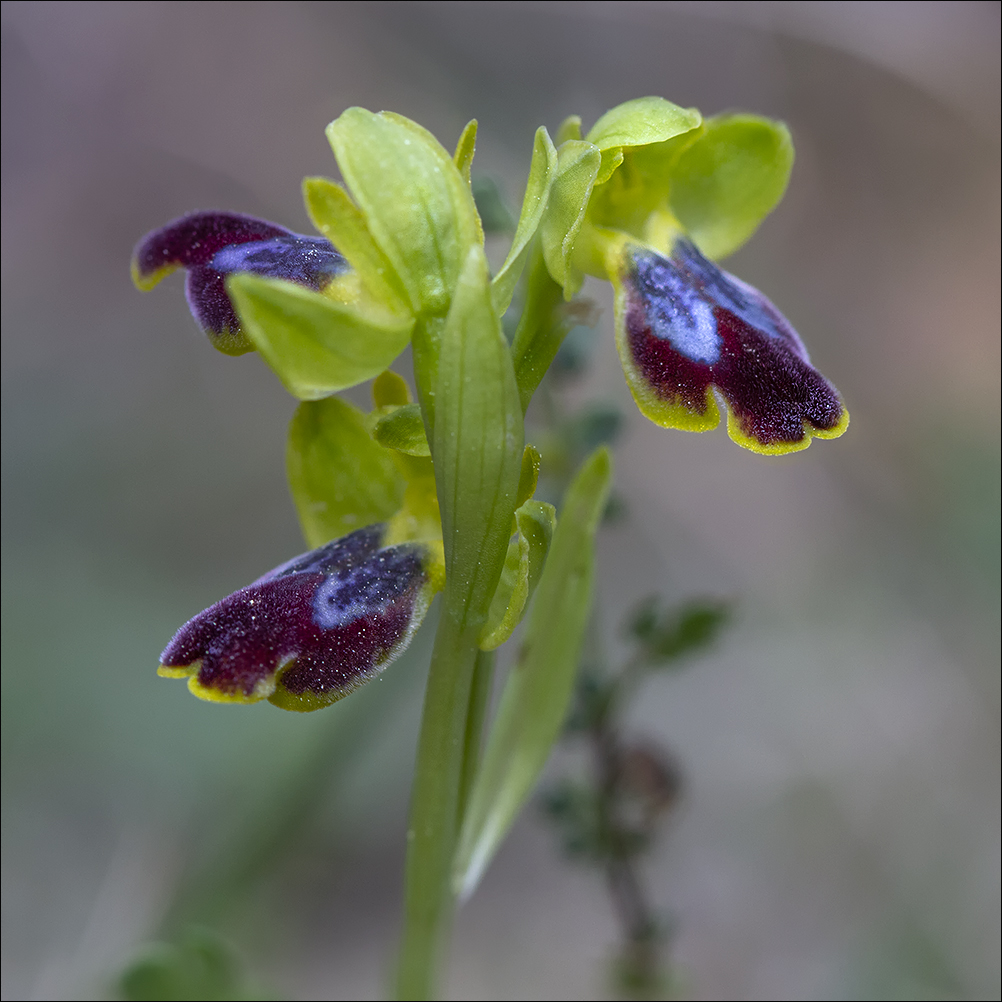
x,y
212,245
685,328
309,632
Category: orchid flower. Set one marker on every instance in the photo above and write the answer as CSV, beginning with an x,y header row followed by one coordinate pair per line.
x,y
312,630
671,193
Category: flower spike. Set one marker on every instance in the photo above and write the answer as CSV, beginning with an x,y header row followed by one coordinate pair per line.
x,y
685,328
212,245
309,632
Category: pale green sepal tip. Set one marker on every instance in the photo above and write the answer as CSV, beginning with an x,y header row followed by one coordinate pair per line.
x,y
726,182
542,170
577,167
315,346
340,479
403,430
538,691
418,206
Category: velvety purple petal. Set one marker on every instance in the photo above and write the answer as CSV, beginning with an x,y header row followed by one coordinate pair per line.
x,y
686,327
309,632
212,245
205,290
195,239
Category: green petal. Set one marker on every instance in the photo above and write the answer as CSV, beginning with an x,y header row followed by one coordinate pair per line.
x,y
640,122
577,168
730,179
402,429
316,346
569,128
465,148
522,568
418,206
537,693
542,171
337,217
529,475
340,479
477,442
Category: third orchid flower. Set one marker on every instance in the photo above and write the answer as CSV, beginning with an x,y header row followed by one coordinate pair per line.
x,y
673,192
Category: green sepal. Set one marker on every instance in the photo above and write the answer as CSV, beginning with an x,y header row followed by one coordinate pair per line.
x,y
538,690
340,479
402,429
640,122
316,346
577,167
418,206
522,567
476,443
340,220
542,170
726,182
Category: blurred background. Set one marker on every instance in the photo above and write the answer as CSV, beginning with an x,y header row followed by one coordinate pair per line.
x,y
838,830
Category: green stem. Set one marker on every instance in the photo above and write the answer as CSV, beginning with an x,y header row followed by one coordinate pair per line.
x,y
480,691
431,837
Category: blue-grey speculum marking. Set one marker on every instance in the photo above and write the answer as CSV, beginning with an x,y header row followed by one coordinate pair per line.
x,y
676,310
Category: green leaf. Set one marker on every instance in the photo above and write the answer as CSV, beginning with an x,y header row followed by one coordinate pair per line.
x,y
577,167
315,346
542,171
730,179
476,444
640,122
538,690
417,204
340,479
402,429
520,575
337,217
